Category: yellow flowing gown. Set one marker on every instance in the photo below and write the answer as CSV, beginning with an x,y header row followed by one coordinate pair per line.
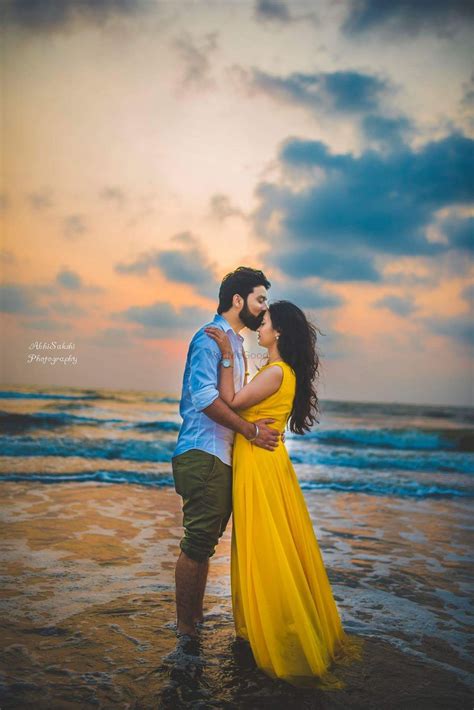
x,y
281,596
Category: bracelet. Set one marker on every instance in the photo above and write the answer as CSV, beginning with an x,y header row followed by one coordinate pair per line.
x,y
257,432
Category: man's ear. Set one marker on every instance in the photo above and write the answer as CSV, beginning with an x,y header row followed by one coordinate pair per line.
x,y
237,300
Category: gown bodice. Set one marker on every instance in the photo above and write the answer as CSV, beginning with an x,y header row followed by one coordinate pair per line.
x,y
279,404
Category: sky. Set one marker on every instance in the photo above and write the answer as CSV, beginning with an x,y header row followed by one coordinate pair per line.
x,y
152,147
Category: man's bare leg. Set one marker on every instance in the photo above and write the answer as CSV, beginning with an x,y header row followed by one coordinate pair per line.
x,y
198,612
188,576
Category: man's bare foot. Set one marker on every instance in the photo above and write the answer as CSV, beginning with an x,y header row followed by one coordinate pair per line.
x,y
186,630
187,652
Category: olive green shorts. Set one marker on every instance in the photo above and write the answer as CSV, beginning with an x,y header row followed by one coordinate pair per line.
x,y
205,484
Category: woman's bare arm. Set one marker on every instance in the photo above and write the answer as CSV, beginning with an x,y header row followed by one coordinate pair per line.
x,y
263,385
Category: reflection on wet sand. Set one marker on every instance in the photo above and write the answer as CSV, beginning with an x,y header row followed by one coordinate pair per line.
x,y
88,611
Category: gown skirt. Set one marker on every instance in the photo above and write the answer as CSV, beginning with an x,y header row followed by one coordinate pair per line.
x,y
281,595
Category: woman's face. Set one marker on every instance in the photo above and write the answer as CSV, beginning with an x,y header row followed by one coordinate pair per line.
x,y
266,335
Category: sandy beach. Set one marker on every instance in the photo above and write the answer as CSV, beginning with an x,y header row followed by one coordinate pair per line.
x,y
88,613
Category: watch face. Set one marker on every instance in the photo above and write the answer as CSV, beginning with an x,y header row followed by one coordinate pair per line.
x,y
226,362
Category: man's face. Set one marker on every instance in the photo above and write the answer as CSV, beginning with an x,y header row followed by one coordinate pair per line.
x,y
254,308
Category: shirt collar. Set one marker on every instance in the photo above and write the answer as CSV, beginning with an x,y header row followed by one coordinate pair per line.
x,y
222,322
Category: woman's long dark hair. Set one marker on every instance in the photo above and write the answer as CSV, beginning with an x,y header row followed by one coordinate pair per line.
x,y
297,346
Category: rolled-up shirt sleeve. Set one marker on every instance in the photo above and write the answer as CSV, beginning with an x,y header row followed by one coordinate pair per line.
x,y
204,363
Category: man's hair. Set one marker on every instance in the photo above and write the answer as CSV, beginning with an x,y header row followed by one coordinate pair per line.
x,y
242,281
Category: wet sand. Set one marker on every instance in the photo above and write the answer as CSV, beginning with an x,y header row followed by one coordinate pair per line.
x,y
88,610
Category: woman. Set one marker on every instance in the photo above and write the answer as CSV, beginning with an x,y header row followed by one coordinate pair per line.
x,y
281,596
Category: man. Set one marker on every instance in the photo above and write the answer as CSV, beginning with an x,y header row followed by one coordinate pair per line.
x,y
202,461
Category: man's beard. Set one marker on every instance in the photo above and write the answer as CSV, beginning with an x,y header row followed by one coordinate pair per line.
x,y
250,321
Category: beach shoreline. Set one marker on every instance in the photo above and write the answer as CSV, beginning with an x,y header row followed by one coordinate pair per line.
x,y
88,603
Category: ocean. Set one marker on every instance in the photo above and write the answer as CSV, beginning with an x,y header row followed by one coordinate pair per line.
x,y
90,530
407,450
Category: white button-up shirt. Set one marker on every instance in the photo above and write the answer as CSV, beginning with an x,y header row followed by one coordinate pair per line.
x,y
200,389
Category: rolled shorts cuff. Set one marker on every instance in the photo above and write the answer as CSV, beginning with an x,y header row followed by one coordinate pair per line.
x,y
198,554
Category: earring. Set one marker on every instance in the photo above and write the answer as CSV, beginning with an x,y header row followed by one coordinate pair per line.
x,y
277,337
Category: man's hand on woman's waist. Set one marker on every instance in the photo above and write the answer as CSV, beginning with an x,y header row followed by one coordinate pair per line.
x,y
266,437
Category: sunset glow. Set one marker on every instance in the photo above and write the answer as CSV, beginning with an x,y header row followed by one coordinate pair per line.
x,y
150,150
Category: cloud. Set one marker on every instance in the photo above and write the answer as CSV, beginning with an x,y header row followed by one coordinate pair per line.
x,y
183,267
221,208
114,195
55,15
445,17
69,279
50,324
468,97
74,226
189,267
405,276
460,328
467,103
336,345
272,10
185,239
400,305
460,232
386,132
343,92
39,200
276,12
110,337
357,208
188,264
162,320
300,261
306,294
69,310
195,59
468,294
141,265
41,300
7,257
15,298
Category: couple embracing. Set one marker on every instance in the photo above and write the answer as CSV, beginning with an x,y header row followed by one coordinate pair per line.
x,y
231,458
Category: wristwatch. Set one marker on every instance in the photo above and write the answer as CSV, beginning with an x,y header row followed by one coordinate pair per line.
x,y
225,362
